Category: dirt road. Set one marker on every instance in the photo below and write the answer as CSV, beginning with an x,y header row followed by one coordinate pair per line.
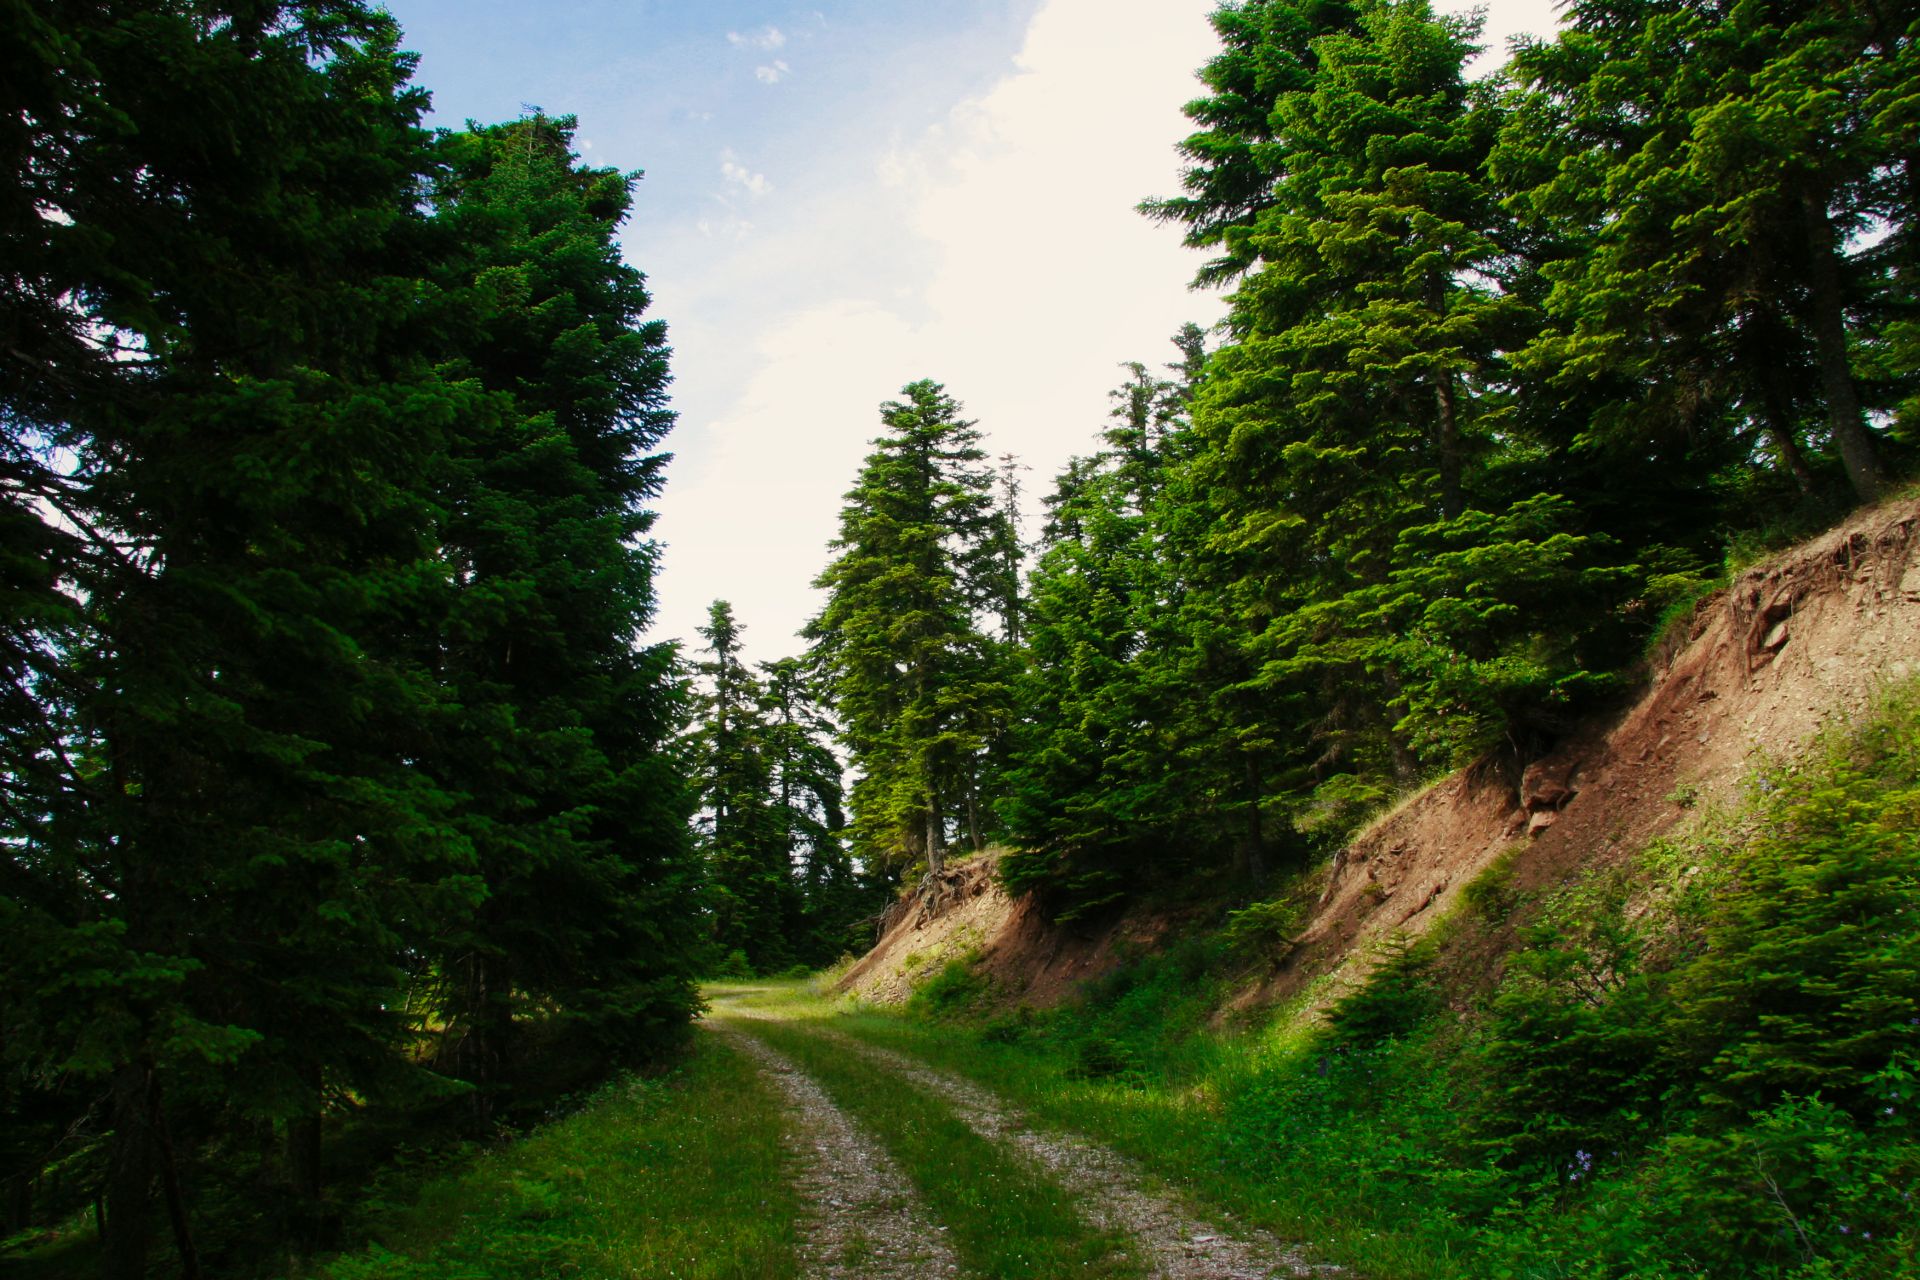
x,y
891,1152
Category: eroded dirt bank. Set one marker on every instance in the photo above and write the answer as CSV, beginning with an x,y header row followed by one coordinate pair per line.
x,y
1797,642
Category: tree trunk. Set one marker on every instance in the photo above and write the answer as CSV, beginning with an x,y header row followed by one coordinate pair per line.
x,y
1844,417
1447,427
1449,448
129,1176
303,1157
1780,432
936,845
1254,859
176,1195
304,1150
479,1045
19,1202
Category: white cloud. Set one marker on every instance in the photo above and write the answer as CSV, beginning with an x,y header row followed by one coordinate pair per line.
x,y
729,228
997,252
766,38
738,175
1504,19
772,74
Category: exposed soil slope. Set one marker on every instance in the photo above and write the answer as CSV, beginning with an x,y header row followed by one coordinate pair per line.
x,y
963,912
1797,642
1802,640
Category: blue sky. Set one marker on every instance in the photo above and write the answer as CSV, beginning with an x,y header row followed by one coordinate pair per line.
x,y
844,196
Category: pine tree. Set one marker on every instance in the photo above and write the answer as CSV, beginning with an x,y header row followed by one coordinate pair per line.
x,y
746,835
1097,783
1269,50
1709,165
212,900
557,720
1350,408
917,687
810,807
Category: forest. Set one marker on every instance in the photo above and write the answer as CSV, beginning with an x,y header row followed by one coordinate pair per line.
x,y
345,808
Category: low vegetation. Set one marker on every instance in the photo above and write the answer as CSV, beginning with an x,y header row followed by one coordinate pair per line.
x,y
1698,1062
1006,1218
679,1174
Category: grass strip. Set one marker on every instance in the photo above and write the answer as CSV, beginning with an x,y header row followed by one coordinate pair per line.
x,y
1006,1219
1172,1129
679,1177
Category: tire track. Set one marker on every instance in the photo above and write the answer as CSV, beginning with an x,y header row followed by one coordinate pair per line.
x,y
863,1220
1112,1190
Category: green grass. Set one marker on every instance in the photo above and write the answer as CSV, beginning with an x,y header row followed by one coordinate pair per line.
x,y
1169,1111
681,1176
1175,1129
1700,1062
1004,1218
70,1250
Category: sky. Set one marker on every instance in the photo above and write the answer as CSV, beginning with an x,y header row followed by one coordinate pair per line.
x,y
844,196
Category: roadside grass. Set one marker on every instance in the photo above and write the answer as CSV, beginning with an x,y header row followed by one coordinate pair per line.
x,y
1177,1129
1005,1218
1699,1062
676,1177
1169,1107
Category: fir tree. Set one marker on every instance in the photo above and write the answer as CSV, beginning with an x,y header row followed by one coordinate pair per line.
x,y
1096,780
1268,49
810,808
216,901
917,686
1711,164
557,720
746,836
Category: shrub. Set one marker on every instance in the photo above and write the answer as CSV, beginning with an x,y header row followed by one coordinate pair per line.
x,y
1491,895
736,965
1101,1057
958,988
1397,997
1811,979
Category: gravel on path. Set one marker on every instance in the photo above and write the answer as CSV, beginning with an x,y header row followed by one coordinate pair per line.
x,y
863,1220
1113,1191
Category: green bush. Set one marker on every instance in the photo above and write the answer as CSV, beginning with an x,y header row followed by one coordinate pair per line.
x,y
957,989
1811,979
1101,1057
1491,895
1397,997
736,965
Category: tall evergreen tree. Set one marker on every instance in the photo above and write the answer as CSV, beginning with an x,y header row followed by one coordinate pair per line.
x,y
339,647
557,719
1710,164
1268,50
1350,443
207,919
1098,783
810,808
746,837
917,685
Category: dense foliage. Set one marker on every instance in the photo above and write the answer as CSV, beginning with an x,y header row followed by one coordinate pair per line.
x,y
336,785
919,688
782,888
1699,1062
1512,366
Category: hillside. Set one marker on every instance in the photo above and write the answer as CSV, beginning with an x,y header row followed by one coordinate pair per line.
x,y
1803,640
